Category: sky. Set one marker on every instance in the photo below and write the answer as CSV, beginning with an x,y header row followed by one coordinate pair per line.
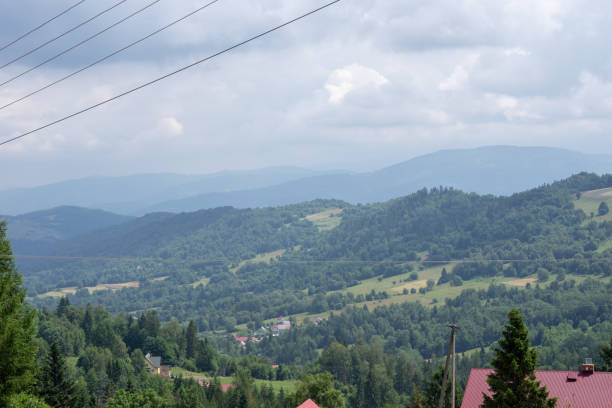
x,y
358,86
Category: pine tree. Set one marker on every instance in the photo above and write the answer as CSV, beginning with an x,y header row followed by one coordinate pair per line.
x,y
417,399
513,381
17,327
55,386
191,339
603,209
606,356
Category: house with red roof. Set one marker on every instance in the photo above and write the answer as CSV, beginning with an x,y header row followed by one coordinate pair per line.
x,y
586,388
308,404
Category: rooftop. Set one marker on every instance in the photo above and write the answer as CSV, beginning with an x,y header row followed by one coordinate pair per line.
x,y
573,389
308,404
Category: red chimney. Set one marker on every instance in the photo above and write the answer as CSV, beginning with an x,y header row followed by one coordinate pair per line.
x,y
588,367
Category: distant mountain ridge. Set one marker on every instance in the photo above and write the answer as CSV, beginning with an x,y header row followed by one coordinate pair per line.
x,y
130,194
498,170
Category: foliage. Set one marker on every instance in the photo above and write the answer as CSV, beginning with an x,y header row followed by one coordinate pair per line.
x,y
606,356
17,327
603,209
56,387
26,401
320,389
513,381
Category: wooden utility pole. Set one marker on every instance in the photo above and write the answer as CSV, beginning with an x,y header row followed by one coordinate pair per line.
x,y
451,350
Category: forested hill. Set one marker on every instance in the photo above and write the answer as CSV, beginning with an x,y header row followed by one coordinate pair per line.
x,y
391,274
288,248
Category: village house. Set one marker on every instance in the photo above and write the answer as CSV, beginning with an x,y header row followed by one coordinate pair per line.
x,y
308,404
154,366
573,389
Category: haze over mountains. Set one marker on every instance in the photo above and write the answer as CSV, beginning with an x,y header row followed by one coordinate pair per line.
x,y
499,170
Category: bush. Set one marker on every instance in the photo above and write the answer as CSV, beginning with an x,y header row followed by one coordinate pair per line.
x,y
603,209
456,281
543,274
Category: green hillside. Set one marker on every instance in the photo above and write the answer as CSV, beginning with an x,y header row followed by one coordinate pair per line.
x,y
261,263
368,290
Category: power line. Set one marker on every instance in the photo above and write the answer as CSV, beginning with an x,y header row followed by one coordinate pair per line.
x,y
80,43
109,55
40,26
63,34
300,261
158,79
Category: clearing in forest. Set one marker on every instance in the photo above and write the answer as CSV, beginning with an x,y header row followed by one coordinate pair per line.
x,y
326,220
521,282
589,202
102,286
266,257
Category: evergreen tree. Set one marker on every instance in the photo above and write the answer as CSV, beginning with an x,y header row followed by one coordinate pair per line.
x,y
17,327
513,381
56,388
191,339
417,399
603,209
606,356
434,388
319,388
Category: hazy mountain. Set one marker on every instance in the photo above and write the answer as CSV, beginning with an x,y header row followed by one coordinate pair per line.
x,y
130,194
499,170
33,232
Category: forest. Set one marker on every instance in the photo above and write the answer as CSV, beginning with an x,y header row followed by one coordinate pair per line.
x,y
203,277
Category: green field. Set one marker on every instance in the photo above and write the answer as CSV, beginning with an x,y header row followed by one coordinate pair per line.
x,y
326,220
396,284
439,292
287,385
590,200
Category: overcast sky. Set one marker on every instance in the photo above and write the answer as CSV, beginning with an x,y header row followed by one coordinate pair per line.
x,y
358,86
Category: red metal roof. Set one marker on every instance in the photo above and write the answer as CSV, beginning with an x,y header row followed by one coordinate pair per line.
x,y
587,391
308,404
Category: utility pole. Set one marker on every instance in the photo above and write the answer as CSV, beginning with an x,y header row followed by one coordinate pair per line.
x,y
451,350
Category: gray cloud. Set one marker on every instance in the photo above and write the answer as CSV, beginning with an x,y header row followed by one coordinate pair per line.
x,y
360,85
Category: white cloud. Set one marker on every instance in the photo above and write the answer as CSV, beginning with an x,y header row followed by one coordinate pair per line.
x,y
516,51
171,126
374,81
350,78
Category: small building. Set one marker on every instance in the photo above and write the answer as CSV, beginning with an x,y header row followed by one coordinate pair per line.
x,y
308,404
586,388
153,364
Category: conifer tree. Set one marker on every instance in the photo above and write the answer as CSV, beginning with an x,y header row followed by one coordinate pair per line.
x,y
417,400
56,388
17,327
606,356
191,339
513,382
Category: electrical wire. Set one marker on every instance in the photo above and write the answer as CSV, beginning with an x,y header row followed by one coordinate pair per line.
x,y
40,26
109,55
62,34
300,261
158,79
80,43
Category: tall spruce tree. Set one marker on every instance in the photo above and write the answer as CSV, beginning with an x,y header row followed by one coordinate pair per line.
x,y
513,382
17,327
191,339
606,357
57,389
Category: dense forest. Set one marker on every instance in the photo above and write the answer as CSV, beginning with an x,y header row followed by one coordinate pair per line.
x,y
200,278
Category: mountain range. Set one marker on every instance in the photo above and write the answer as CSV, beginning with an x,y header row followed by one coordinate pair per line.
x,y
498,170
